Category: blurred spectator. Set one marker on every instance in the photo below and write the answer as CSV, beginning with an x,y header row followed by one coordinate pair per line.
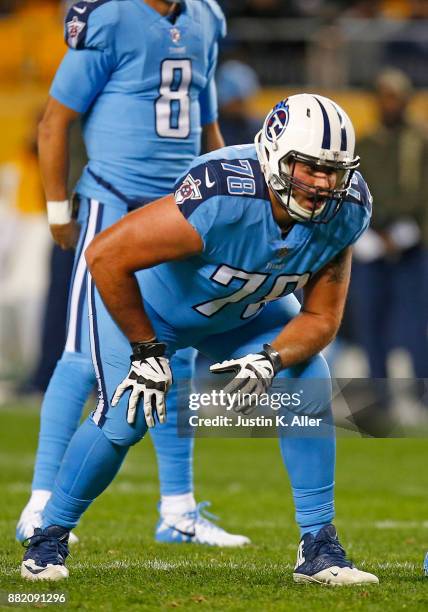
x,y
389,295
327,63
237,83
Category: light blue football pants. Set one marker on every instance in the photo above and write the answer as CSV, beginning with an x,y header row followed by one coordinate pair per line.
x,y
74,378
99,446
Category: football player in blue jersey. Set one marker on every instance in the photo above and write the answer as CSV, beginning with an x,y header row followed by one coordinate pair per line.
x,y
141,75
214,267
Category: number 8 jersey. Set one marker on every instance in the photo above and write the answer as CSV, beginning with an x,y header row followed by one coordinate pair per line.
x,y
246,261
145,85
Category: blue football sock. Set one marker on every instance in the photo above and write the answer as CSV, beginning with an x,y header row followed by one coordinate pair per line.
x,y
308,451
174,454
65,398
89,465
310,464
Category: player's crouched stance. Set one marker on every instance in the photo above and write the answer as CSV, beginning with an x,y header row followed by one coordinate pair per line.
x,y
217,266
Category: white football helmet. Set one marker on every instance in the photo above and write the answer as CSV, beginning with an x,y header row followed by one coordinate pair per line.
x,y
313,130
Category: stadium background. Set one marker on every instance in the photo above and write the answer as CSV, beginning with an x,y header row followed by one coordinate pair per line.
x,y
336,48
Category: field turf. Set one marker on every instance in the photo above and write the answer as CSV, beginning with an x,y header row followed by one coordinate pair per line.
x,y
382,491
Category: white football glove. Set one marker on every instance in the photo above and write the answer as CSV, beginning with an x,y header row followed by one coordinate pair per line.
x,y
149,376
253,376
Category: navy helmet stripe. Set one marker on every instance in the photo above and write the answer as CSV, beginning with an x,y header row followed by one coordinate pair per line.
x,y
326,141
343,135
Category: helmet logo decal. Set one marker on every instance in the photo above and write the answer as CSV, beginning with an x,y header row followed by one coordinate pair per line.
x,y
277,121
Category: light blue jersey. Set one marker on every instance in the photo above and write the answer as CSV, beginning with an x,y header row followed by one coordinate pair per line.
x,y
145,85
246,261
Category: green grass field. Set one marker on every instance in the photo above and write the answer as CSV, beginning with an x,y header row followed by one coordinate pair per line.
x,y
382,490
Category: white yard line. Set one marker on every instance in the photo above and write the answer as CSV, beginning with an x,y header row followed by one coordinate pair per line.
x,y
165,566
401,524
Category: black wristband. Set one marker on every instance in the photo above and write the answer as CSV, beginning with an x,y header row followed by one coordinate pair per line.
x,y
143,350
273,357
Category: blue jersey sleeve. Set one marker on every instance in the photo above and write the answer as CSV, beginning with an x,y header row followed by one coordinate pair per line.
x,y
198,185
218,16
359,195
197,196
205,201
80,78
87,65
90,25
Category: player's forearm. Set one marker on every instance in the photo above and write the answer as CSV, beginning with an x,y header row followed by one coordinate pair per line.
x,y
118,287
151,235
53,159
122,298
305,336
211,137
319,321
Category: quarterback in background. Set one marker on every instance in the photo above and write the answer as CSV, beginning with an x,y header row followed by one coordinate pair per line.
x,y
141,75
214,267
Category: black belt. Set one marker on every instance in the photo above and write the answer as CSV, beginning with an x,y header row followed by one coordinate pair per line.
x,y
132,203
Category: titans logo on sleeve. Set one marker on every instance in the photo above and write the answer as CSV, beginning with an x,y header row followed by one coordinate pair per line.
x,y
246,261
188,190
76,22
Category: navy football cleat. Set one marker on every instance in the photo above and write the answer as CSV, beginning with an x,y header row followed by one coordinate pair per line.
x,y
426,565
46,552
322,559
